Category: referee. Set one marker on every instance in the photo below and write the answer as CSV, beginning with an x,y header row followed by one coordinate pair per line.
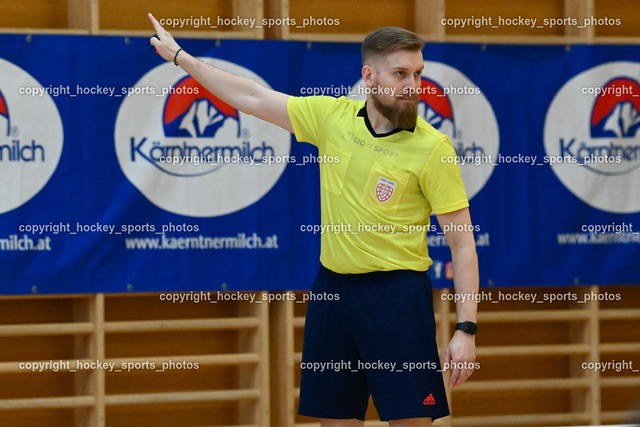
x,y
378,334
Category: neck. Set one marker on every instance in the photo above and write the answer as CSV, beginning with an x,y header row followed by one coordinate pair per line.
x,y
379,123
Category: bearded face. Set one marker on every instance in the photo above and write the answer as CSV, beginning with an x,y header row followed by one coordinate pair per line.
x,y
394,80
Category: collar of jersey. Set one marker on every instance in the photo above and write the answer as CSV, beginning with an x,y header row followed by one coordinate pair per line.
x,y
363,113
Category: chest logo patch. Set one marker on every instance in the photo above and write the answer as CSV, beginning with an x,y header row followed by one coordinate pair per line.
x,y
385,189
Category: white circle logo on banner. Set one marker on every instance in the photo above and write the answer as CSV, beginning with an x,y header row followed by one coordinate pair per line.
x,y
31,136
455,106
591,136
192,154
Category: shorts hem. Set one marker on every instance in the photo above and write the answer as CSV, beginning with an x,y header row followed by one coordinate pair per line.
x,y
328,414
401,416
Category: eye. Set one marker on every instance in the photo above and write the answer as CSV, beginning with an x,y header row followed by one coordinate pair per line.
x,y
400,73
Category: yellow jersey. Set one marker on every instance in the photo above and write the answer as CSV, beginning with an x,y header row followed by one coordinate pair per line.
x,y
377,191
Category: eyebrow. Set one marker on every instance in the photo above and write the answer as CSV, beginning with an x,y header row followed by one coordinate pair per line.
x,y
405,68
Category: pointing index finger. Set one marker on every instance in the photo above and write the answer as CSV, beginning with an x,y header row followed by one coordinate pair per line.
x,y
155,23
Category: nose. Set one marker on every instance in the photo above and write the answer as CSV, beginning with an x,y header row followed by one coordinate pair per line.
x,y
411,84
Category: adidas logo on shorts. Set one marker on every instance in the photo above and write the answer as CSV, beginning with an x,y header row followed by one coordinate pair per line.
x,y
429,400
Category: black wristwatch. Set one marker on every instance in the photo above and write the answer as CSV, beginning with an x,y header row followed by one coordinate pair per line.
x,y
469,327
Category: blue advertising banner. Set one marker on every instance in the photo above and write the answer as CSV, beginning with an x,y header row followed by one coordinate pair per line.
x,y
108,183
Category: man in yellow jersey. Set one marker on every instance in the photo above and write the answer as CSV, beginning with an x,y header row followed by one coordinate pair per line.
x,y
378,337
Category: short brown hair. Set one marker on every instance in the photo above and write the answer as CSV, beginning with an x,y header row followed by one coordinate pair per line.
x,y
389,39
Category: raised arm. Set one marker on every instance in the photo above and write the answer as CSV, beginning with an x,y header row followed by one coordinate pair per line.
x,y
240,92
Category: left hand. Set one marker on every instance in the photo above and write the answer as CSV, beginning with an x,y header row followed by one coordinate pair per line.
x,y
461,353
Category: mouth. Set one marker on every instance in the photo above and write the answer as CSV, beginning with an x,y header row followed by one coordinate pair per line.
x,y
407,98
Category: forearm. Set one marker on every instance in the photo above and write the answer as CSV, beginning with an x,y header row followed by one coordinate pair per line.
x,y
235,90
465,281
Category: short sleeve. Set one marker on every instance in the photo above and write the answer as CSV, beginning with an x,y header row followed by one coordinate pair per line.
x,y
307,115
441,180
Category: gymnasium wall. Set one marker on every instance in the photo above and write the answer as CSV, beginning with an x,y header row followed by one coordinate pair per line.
x,y
193,363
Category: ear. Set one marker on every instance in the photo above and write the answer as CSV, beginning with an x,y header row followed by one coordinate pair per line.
x,y
367,75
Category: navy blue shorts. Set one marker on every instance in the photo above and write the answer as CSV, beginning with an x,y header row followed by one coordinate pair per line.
x,y
371,334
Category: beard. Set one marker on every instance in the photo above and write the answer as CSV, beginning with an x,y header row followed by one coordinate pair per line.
x,y
403,116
